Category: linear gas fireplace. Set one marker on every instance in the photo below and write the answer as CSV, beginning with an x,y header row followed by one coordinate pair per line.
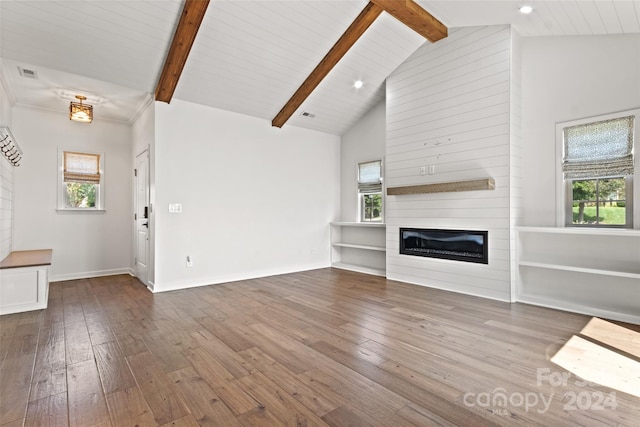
x,y
458,245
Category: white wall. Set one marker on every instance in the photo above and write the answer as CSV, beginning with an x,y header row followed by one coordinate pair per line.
x,y
6,207
566,78
5,104
143,130
84,244
363,142
448,105
6,182
256,200
143,138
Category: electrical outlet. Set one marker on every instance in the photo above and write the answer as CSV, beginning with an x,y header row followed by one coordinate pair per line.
x,y
432,169
189,261
423,170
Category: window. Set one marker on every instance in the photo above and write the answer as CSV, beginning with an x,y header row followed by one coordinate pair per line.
x,y
81,180
597,170
370,191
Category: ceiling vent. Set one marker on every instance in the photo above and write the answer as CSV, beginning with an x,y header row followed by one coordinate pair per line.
x,y
27,73
307,114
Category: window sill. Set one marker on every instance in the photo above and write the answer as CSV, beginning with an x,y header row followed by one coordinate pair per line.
x,y
80,210
582,230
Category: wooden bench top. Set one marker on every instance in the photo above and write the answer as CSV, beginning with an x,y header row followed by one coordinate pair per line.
x,y
17,259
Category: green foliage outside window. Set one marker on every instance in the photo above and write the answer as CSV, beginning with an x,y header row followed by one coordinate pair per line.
x,y
599,201
80,195
372,207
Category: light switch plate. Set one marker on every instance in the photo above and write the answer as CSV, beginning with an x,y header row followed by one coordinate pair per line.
x,y
175,208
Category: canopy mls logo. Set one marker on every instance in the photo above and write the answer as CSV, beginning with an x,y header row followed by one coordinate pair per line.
x,y
603,354
500,400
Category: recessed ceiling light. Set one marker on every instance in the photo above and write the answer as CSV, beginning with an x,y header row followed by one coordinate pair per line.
x,y
358,84
525,10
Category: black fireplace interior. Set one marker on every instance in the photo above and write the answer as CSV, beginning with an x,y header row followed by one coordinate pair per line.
x,y
458,245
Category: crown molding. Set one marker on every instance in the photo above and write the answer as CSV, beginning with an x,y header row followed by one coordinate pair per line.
x,y
142,106
5,80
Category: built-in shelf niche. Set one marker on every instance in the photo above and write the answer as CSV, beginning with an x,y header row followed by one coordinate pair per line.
x,y
594,271
359,246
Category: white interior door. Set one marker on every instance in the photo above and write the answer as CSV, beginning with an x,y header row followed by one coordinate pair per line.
x,y
141,217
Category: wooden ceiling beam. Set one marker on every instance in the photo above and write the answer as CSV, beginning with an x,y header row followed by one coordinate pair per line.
x,y
415,17
339,49
183,38
406,11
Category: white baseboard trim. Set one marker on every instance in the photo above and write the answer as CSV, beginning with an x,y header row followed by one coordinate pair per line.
x,y
89,274
580,309
440,286
237,277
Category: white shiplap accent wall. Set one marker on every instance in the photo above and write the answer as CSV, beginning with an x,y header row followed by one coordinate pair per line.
x,y
6,207
515,160
448,106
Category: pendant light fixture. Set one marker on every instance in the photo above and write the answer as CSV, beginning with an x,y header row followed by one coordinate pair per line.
x,y
80,112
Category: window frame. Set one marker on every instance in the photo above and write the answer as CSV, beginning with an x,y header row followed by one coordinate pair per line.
x,y
564,187
628,183
62,189
361,194
363,207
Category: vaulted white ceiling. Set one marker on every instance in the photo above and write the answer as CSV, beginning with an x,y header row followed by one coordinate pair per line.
x,y
250,55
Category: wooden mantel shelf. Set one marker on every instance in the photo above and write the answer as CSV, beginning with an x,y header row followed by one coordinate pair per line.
x,y
444,187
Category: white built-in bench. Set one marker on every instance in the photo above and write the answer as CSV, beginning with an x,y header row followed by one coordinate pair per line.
x,y
24,281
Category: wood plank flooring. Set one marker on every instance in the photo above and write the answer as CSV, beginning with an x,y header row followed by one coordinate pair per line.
x,y
317,348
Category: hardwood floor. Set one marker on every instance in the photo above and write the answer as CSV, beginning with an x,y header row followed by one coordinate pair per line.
x,y
324,347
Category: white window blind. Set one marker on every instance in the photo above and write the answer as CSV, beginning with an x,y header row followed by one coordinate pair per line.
x,y
82,168
370,177
599,150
